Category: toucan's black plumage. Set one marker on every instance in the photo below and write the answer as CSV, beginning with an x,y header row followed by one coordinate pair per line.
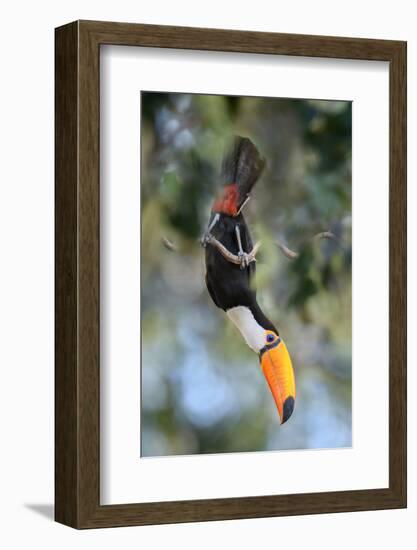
x,y
229,285
232,286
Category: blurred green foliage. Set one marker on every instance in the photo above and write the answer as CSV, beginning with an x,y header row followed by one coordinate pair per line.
x,y
202,389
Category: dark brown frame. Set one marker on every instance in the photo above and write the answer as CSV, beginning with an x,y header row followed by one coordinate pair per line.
x,y
77,274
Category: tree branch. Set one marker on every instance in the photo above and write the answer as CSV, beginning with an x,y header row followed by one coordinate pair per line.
x,y
250,256
233,258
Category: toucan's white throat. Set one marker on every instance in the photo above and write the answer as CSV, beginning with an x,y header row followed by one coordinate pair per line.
x,y
250,329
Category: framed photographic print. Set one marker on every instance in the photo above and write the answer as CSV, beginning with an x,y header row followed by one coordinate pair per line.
x,y
230,274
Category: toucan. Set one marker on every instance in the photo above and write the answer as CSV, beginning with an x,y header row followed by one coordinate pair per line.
x,y
231,285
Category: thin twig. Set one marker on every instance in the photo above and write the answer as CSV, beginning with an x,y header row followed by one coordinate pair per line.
x,y
293,255
169,244
290,254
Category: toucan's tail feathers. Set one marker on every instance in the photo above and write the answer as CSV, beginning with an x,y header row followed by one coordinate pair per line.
x,y
243,165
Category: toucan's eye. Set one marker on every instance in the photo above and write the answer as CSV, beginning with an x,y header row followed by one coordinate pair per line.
x,y
270,338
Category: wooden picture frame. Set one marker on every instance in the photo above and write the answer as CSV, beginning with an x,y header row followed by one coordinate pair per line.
x,y
77,374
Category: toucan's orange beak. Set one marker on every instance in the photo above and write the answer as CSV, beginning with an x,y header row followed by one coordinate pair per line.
x,y
278,371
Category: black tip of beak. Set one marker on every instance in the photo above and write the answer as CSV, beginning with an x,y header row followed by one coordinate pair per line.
x,y
288,408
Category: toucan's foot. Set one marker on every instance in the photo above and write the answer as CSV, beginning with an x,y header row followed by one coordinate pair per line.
x,y
205,239
244,259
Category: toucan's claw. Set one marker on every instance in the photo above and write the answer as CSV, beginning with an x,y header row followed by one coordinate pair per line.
x,y
244,259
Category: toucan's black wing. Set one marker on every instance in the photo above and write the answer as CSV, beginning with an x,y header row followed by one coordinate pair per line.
x,y
228,285
211,290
